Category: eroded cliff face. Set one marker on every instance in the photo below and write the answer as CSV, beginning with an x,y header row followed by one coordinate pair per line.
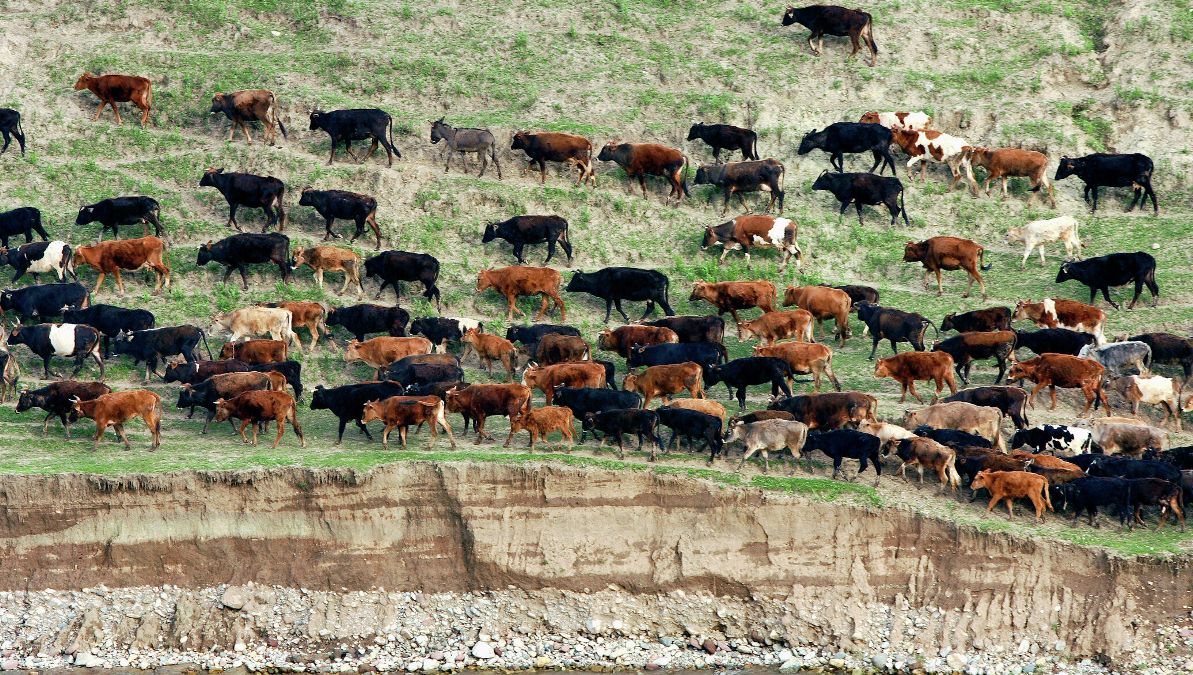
x,y
466,527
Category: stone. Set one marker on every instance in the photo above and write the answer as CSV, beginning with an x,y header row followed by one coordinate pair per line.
x,y
366,668
542,662
593,625
234,598
483,650
430,665
710,646
9,664
955,661
87,660
790,664
836,663
879,661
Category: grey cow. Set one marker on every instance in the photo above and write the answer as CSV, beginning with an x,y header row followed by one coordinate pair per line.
x,y
1121,358
773,435
463,141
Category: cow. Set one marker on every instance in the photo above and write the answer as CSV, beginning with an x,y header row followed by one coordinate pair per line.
x,y
969,347
1121,358
39,258
1061,370
357,125
692,424
442,330
196,371
1012,401
309,315
972,419
858,293
1010,485
862,189
895,325
227,385
1116,269
48,340
414,373
1109,170
750,370
347,402
704,405
614,284
1053,341
480,401
908,367
726,137
117,408
621,339
1007,162
539,422
665,381
402,411
640,160
575,374
803,359
1039,232
1087,494
767,436
730,296
693,328
253,407
1054,439
584,400
20,221
839,444
150,345
253,352
553,146
955,438
361,320
934,146
764,175
1169,349
113,257
239,251
1126,467
1167,495
556,348
250,191
522,230
924,452
249,321
44,301
393,267
379,352
491,348
330,259
11,127
839,138
116,211
250,105
516,281
837,21
830,410
886,432
823,303
113,89
1062,313
464,141
10,372
986,320
617,423
949,253
911,121
530,336
110,321
58,399
707,354
1129,439
1153,390
774,326
332,204
748,232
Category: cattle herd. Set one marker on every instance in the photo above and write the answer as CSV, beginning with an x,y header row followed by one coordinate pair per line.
x,y
1118,463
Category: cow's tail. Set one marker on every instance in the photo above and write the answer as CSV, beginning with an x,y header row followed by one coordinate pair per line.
x,y
753,146
903,209
391,136
928,322
1047,498
68,261
20,127
203,336
683,177
273,103
950,468
869,30
982,259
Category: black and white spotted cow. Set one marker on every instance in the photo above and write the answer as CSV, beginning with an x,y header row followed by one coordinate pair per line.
x,y
48,340
40,257
442,330
1056,439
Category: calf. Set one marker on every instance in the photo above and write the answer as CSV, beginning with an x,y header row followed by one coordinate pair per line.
x,y
725,137
58,399
1053,341
858,293
113,257
553,146
617,423
694,425
841,443
48,340
703,405
403,411
1087,494
895,325
40,257
393,267
20,221
773,326
924,452
308,315
1006,162
150,345
837,21
828,411
255,351
614,284
804,358
361,320
1056,439
111,320
530,336
357,125
332,204
823,303
11,127
731,296
767,436
441,331
665,381
379,352
1108,170
491,348
117,211
1012,401
972,419
949,253
1120,358
196,371
1116,269
228,385
908,367
250,105
707,354
513,282
347,402
1167,495
113,89
464,141
640,160
979,320
693,328
117,408
584,400
250,321
547,378
740,177
853,137
480,401
539,422
864,189
969,347
751,370
955,438
1010,485
522,230
934,146
250,191
1128,439
241,250
330,259
1061,370
1169,349
748,232
1039,232
413,373
253,407
622,338
912,121
44,301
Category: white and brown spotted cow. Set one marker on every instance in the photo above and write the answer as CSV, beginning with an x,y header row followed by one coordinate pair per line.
x,y
934,146
747,232
910,121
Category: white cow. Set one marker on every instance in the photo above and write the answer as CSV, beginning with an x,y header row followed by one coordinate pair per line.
x,y
1154,390
1039,232
911,121
254,321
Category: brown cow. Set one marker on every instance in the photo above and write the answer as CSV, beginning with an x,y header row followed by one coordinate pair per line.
x,y
1005,162
479,401
379,352
555,348
948,253
908,367
620,339
113,89
666,380
924,452
823,303
117,408
1062,313
575,374
772,326
730,296
331,259
250,105
1061,370
542,421
639,160
261,406
255,352
402,411
749,231
491,348
517,281
1046,461
309,315
113,257
804,358
704,405
1009,485
552,146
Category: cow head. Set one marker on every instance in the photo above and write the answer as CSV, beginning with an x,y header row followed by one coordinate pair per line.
x,y
870,117
1067,167
219,103
1022,370
1015,234
484,280
947,324
1065,273
710,237
789,16
520,140
611,150
490,233
307,198
914,252
208,179
440,131
812,140
580,282
695,130
980,156
84,81
222,410
827,181
86,215
204,254
317,120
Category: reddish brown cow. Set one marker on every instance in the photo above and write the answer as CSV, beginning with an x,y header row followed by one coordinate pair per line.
x,y
948,253
1009,485
113,89
704,405
622,338
773,326
113,257
117,408
379,352
517,281
908,367
555,348
479,401
1006,162
575,374
331,259
665,381
490,348
255,352
804,358
309,315
1061,370
252,407
250,105
401,412
730,296
542,421
1046,461
552,146
639,160
823,303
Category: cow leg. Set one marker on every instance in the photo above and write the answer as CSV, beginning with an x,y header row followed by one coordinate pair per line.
x,y
244,276
874,349
100,109
1138,292
232,217
859,213
1095,191
624,316
940,287
1105,294
1052,391
244,129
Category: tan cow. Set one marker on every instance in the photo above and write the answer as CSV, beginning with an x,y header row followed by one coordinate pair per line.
x,y
772,326
967,417
823,303
275,322
379,352
331,259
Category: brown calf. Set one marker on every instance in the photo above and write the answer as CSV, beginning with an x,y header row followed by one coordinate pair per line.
x,y
804,358
948,253
622,338
479,401
517,281
491,348
255,352
261,406
574,374
379,352
924,452
309,315
1061,370
772,326
1062,313
113,89
542,421
402,411
908,367
331,259
555,348
1046,461
117,408
1009,485
250,105
553,146
113,257
666,380
823,303
1006,162
730,296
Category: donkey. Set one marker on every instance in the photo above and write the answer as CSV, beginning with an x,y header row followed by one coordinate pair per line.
x,y
463,141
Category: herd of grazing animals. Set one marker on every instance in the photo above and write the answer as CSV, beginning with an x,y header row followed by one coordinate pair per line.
x,y
1117,463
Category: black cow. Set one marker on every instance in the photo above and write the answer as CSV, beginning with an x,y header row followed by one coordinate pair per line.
x,y
1108,170
48,340
616,423
841,443
864,189
886,323
837,21
751,370
726,137
205,394
366,318
953,438
10,126
1053,340
1126,467
693,328
117,211
1012,401
161,343
58,398
250,191
111,320
357,125
1054,439
394,267
1116,269
530,336
440,330
707,354
1087,494
978,320
410,374
1169,349
197,371
694,426
1180,457
522,230
841,137
40,257
614,284
332,204
21,221
45,301
291,370
858,293
739,177
1165,494
241,250
969,347
585,400
347,402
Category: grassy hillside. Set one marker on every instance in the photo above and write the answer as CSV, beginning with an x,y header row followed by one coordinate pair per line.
x,y
1065,77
